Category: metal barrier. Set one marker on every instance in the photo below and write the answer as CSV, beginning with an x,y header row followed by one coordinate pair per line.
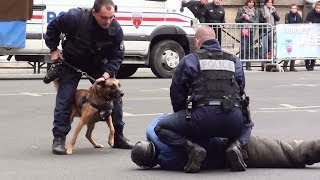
x,y
251,42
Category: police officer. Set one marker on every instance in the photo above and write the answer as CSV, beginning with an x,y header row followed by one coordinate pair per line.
x,y
94,43
260,152
215,14
198,8
215,81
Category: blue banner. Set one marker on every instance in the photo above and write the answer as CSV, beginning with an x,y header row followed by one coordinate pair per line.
x,y
298,41
12,34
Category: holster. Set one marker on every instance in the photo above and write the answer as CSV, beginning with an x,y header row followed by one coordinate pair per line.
x,y
245,109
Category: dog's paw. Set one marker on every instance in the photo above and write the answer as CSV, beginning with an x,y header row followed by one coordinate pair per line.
x,y
99,146
69,150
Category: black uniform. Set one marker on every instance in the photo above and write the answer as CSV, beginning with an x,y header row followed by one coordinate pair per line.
x,y
215,14
198,9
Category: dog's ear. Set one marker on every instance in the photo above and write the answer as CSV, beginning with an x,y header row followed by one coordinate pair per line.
x,y
101,83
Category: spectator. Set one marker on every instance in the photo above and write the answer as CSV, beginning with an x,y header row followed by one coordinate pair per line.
x,y
247,14
198,8
292,17
268,14
215,14
312,17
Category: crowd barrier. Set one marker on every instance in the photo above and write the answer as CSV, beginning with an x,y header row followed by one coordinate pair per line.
x,y
251,42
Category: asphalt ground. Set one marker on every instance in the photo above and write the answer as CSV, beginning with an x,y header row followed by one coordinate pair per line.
x,y
284,106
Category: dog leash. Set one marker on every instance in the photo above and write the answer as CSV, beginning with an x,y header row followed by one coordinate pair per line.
x,y
80,71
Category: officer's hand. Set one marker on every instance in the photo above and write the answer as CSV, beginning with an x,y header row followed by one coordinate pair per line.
x,y
106,75
56,55
100,79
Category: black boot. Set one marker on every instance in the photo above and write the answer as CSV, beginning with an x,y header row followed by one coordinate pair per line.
x,y
120,141
196,155
58,146
234,157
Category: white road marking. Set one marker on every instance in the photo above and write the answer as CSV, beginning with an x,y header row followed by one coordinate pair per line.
x,y
299,85
27,94
136,115
288,106
150,90
295,107
285,111
31,94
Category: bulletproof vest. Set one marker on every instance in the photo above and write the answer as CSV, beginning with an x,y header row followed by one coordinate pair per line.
x,y
217,77
84,45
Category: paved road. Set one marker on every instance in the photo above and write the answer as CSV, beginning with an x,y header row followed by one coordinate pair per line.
x,y
284,105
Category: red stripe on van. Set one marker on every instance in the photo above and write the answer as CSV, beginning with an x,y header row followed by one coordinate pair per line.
x,y
151,19
37,17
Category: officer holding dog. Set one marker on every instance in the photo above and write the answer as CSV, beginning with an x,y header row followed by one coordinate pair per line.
x,y
215,82
94,44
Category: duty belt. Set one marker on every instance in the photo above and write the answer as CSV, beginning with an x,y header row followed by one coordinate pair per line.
x,y
215,103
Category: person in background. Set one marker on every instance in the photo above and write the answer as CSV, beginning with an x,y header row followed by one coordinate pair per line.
x,y
198,8
312,17
215,14
292,17
268,14
247,14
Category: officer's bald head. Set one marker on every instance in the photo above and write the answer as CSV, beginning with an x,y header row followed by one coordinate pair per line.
x,y
203,33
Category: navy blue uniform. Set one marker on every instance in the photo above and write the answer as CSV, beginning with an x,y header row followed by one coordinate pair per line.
x,y
103,60
206,121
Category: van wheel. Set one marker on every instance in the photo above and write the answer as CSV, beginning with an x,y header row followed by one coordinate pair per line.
x,y
164,58
126,71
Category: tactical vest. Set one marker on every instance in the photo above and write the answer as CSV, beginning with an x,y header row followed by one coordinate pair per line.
x,y
83,45
216,81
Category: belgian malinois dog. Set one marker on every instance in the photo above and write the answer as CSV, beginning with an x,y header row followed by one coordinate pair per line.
x,y
93,105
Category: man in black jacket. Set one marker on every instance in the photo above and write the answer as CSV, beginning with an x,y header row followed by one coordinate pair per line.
x,y
198,8
312,17
94,43
215,14
292,17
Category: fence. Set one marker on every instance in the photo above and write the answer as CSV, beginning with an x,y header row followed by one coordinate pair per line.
x,y
251,42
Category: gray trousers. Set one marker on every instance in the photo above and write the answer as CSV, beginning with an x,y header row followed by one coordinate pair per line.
x,y
270,153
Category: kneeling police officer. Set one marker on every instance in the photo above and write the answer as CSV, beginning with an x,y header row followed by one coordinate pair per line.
x,y
215,82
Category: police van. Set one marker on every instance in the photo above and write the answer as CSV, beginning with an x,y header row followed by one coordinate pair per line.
x,y
158,33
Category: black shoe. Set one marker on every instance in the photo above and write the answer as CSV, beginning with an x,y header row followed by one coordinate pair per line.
x,y
121,142
235,158
196,155
58,146
293,69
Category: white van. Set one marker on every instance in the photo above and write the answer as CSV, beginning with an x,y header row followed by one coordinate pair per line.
x,y
157,33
